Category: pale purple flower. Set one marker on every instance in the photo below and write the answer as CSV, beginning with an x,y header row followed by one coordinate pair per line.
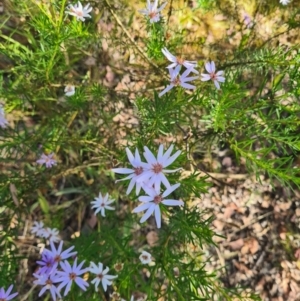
x,y
179,80
3,121
134,172
155,168
101,203
48,281
37,228
102,276
60,255
69,90
51,258
47,160
152,11
71,274
151,203
51,234
79,11
284,2
177,62
145,257
215,77
247,20
47,264
5,296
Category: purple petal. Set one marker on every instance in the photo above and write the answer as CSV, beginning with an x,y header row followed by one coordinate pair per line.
x,y
160,152
170,190
81,283
172,203
164,180
205,77
131,185
68,287
169,55
148,213
172,159
137,156
157,216
220,79
162,7
167,154
167,89
145,198
149,156
173,65
188,86
142,207
129,155
122,170
217,84
174,72
9,290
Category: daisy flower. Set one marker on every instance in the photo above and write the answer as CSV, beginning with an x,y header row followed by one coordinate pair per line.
x,y
155,168
179,80
69,90
3,121
102,276
145,257
151,203
134,172
152,11
51,258
5,296
215,77
247,20
51,234
101,203
58,254
69,274
37,228
48,281
177,62
47,160
284,2
80,12
47,264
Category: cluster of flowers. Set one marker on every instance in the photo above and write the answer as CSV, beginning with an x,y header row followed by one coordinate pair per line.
x,y
55,269
150,176
55,272
176,79
45,232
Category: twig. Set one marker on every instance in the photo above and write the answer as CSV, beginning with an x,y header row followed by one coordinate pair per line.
x,y
252,222
142,53
25,297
